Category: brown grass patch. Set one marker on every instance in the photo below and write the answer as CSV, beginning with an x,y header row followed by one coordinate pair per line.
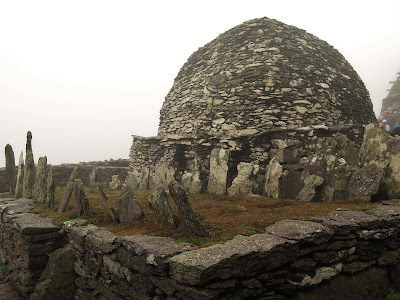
x,y
223,216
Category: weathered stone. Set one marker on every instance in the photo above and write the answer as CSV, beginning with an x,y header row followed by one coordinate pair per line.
x,y
115,184
321,274
190,220
245,182
58,278
272,178
10,167
20,177
106,202
241,256
68,191
291,184
219,166
51,189
81,201
164,172
40,181
158,201
129,208
365,182
93,178
29,169
308,192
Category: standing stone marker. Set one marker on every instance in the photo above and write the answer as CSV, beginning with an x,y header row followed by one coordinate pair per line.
x,y
29,169
219,166
10,167
20,177
93,176
81,201
158,201
51,189
68,191
272,178
308,192
245,182
106,202
40,182
115,184
129,208
189,217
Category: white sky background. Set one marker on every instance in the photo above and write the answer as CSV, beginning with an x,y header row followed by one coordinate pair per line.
x,y
85,75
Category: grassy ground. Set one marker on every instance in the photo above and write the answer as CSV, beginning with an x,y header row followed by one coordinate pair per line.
x,y
223,216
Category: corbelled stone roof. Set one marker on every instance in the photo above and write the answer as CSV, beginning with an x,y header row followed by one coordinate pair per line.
x,y
391,104
261,75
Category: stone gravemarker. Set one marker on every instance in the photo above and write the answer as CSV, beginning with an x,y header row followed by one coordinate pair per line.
x,y
106,202
29,169
219,166
51,189
158,201
20,177
10,168
189,217
93,176
81,201
115,184
129,208
41,182
68,191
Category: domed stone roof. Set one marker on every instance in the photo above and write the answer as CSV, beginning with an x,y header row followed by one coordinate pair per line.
x,y
391,104
263,75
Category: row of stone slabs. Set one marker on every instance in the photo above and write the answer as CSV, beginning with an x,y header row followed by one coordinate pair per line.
x,y
129,207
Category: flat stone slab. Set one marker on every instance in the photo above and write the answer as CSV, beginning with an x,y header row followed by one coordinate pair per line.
x,y
301,231
28,223
241,256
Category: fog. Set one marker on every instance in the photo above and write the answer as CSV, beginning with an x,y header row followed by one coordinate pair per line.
x,y
83,76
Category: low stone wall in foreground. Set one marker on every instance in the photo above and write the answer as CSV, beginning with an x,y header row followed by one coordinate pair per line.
x,y
345,255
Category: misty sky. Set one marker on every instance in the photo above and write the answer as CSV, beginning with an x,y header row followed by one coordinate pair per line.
x,y
85,75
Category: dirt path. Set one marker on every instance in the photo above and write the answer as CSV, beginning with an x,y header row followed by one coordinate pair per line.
x,y
6,289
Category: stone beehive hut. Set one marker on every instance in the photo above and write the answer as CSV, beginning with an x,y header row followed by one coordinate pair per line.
x,y
391,104
259,91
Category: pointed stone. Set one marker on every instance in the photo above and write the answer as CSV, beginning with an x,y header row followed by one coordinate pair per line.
x,y
29,169
81,201
10,167
129,208
190,220
158,201
40,181
219,166
106,202
272,179
51,189
68,191
20,177
93,176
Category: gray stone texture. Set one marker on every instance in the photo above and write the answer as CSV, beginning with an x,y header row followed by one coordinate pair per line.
x,y
115,183
10,167
82,207
245,182
390,109
272,179
93,178
130,210
191,180
20,177
50,189
219,166
308,192
189,217
106,202
29,173
365,182
41,180
63,206
158,201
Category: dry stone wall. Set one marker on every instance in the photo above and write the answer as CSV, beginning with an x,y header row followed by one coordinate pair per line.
x,y
345,255
391,104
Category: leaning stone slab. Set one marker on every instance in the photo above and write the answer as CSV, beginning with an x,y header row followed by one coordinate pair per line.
x,y
190,219
149,254
106,202
68,191
365,182
158,201
41,180
308,192
245,182
51,189
301,231
242,256
20,177
129,208
219,166
81,201
10,167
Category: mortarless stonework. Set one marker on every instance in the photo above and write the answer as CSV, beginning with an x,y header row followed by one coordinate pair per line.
x,y
391,104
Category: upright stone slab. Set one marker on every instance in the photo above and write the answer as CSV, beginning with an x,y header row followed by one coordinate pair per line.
x,y
191,180
93,176
115,184
106,202
307,193
81,201
365,182
190,220
219,166
10,167
129,208
51,189
20,177
29,169
245,182
68,191
272,178
40,181
158,201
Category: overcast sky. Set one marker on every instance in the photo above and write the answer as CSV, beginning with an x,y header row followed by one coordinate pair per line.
x,y
84,76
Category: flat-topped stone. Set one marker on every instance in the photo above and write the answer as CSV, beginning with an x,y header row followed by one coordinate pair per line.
x,y
27,223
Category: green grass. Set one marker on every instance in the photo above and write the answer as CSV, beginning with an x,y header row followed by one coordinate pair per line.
x,y
393,295
3,267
